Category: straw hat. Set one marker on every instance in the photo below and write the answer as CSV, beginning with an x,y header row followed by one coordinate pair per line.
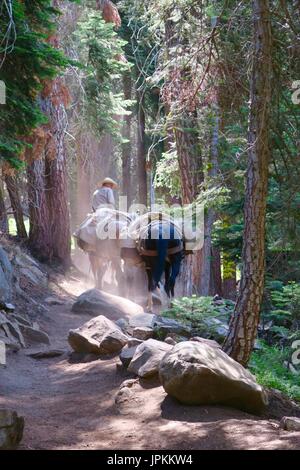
x,y
109,181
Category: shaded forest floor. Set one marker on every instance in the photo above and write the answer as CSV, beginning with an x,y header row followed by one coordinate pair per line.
x,y
71,404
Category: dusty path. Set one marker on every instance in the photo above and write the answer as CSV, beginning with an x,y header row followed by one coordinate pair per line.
x,y
68,404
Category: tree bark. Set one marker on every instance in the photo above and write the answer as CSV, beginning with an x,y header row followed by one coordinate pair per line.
x,y
40,240
206,279
82,185
3,214
141,151
56,177
191,173
14,196
243,327
127,147
216,275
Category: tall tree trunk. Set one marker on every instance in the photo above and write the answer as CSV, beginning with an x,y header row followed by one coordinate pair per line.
x,y
3,214
185,127
189,157
56,176
141,151
14,196
229,287
40,237
82,186
127,147
243,327
190,166
216,275
206,279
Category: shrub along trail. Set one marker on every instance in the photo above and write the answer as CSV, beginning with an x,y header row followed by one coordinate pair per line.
x,y
71,404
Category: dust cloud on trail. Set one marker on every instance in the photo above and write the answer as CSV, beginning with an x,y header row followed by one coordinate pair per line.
x,y
137,286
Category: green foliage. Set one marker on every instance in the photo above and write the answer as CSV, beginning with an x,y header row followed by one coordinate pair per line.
x,y
102,53
205,316
284,308
268,366
167,174
26,60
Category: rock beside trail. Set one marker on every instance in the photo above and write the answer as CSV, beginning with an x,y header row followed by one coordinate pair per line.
x,y
11,429
127,354
147,356
10,344
16,331
133,342
46,354
142,332
6,274
143,320
96,302
216,328
10,329
164,326
197,374
98,336
54,301
209,342
290,423
170,340
27,268
33,335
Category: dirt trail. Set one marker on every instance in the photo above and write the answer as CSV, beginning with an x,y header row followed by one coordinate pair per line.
x,y
68,404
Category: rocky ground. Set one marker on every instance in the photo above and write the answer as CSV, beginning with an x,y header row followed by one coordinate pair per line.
x,y
74,401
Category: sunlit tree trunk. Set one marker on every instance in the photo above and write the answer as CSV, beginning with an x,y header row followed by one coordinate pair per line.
x,y
243,327
82,184
229,283
127,147
40,237
12,187
141,151
56,175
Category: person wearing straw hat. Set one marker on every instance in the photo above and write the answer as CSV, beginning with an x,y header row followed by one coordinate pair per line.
x,y
104,195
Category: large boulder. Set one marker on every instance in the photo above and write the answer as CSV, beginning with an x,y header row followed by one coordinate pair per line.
x,y
98,336
96,302
11,429
142,320
164,326
290,423
6,272
29,269
142,332
147,356
34,336
10,329
197,374
127,354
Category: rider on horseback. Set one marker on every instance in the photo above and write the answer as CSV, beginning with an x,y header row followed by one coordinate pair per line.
x,y
104,196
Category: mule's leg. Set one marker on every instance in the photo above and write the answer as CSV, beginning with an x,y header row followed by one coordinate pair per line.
x,y
167,278
94,267
100,273
175,264
119,276
149,307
